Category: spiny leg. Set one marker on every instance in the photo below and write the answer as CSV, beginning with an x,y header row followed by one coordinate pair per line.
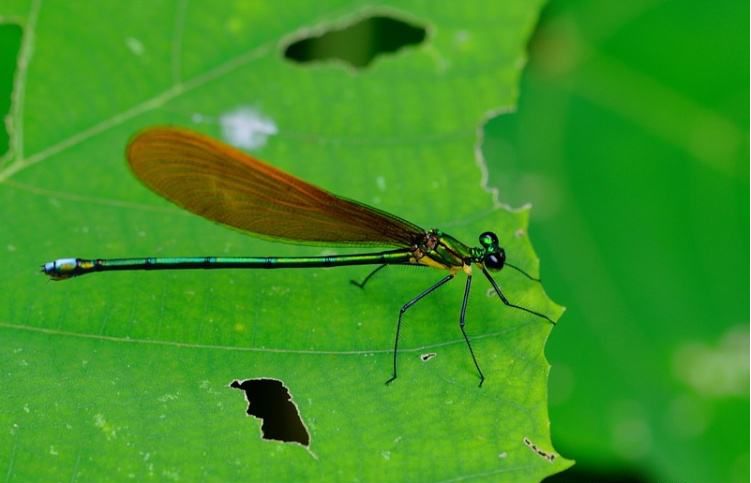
x,y
404,309
461,326
365,280
509,304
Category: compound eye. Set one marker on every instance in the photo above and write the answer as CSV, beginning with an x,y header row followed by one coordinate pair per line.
x,y
495,261
488,239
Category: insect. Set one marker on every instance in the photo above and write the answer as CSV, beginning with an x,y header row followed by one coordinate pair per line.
x,y
226,185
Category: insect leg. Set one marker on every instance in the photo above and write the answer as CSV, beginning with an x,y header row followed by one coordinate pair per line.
x,y
365,280
404,309
509,304
535,279
461,326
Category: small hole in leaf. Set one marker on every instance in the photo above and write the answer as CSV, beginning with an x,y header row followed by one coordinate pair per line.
x,y
270,401
546,455
359,43
10,44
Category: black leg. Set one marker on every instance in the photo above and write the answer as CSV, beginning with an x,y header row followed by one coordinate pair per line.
x,y
404,309
461,326
523,272
505,300
365,280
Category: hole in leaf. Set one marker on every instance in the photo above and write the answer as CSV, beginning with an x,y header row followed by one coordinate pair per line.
x,y
546,455
427,356
10,44
359,43
270,401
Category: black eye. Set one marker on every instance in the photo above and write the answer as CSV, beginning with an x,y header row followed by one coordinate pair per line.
x,y
495,261
488,239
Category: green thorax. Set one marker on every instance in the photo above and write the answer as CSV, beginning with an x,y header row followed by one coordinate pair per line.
x,y
443,251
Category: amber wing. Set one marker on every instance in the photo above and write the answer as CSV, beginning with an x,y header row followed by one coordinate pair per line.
x,y
226,185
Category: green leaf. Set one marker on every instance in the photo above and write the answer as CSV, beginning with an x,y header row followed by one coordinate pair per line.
x,y
125,375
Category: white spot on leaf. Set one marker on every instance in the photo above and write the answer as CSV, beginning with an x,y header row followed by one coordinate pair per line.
x,y
246,127
134,45
461,37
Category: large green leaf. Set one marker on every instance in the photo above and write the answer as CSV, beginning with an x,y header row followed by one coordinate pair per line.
x,y
125,375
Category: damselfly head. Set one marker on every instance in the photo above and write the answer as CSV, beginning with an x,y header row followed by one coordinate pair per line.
x,y
488,240
495,261
493,256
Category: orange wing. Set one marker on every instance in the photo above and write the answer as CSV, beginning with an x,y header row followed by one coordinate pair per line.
x,y
226,185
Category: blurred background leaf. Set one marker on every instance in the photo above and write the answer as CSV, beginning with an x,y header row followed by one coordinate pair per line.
x,y
125,376
631,141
